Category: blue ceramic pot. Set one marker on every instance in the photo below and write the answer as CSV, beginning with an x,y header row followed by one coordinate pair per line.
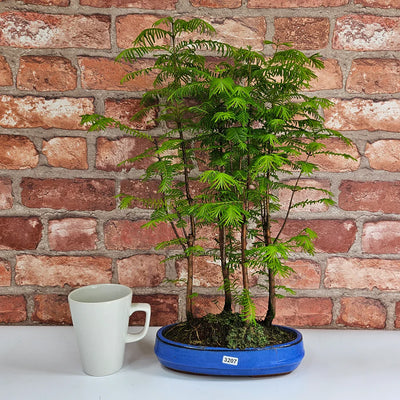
x,y
269,360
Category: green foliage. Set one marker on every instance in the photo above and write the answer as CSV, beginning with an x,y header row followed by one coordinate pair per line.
x,y
248,119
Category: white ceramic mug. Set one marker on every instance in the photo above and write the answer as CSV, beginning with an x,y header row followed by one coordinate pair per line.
x,y
100,315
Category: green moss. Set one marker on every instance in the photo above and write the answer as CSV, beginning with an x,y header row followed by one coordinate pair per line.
x,y
227,330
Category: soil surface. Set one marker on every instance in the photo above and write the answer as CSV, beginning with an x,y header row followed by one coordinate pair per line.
x,y
227,330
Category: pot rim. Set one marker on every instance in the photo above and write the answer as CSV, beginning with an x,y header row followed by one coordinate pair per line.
x,y
162,338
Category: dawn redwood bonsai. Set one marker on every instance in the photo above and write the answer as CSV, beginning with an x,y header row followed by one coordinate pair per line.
x,y
246,119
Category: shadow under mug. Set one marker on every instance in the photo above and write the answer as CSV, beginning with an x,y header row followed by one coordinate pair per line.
x,y
100,315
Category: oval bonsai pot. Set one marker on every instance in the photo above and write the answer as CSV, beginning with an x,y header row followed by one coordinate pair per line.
x,y
270,360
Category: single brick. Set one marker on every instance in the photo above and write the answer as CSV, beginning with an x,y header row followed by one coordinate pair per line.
x,y
129,26
216,3
102,73
295,3
305,33
381,237
148,4
12,309
366,33
329,78
305,195
360,273
69,194
66,152
20,233
241,31
69,234
373,196
51,309
164,309
306,275
17,152
62,270
344,232
374,75
141,270
378,3
334,163
111,152
5,273
124,109
303,311
40,112
129,235
58,3
46,73
384,154
6,196
34,30
360,312
141,189
364,114
6,78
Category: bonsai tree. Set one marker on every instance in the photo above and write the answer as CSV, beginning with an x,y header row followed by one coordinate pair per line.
x,y
177,63
246,118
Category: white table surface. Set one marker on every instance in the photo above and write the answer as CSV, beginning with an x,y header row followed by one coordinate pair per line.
x,y
40,362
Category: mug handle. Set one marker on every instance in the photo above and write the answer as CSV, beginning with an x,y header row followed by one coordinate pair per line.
x,y
134,337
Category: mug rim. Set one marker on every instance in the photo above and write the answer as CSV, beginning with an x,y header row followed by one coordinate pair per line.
x,y
86,288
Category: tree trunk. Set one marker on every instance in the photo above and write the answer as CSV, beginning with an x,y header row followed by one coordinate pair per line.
x,y
225,270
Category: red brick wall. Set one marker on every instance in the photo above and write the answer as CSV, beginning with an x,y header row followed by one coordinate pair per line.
x,y
60,226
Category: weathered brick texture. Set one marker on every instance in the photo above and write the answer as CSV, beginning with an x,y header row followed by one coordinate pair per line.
x,y
6,196
46,73
51,309
40,112
376,196
12,309
369,75
112,152
5,273
366,33
364,114
104,73
69,234
148,4
128,235
20,233
379,3
35,30
358,273
6,78
361,312
384,154
295,3
216,3
381,237
66,152
304,33
60,226
69,194
17,152
59,271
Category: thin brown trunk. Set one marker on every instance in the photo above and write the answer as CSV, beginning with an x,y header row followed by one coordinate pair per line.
x,y
189,286
271,300
225,269
192,227
245,274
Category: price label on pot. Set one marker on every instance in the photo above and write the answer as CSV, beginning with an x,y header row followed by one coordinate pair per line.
x,y
230,360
